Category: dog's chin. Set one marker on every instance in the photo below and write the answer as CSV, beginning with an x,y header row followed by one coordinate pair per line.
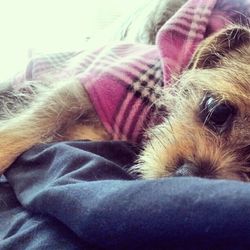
x,y
159,160
148,170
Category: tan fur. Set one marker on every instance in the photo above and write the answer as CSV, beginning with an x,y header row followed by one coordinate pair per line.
x,y
54,111
86,132
219,67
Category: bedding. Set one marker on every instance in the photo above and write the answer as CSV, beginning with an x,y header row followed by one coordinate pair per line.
x,y
79,195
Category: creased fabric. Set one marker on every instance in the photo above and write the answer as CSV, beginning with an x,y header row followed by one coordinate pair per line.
x,y
78,195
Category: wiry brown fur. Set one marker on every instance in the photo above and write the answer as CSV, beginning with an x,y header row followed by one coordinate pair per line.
x,y
220,67
52,113
55,114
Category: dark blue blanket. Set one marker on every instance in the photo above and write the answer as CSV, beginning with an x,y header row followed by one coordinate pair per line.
x,y
78,195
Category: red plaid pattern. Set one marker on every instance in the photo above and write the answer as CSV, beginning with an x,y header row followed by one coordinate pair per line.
x,y
125,81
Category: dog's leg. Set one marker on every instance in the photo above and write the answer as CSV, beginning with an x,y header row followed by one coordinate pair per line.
x,y
52,111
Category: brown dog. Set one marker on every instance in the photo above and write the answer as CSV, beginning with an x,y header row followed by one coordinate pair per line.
x,y
206,134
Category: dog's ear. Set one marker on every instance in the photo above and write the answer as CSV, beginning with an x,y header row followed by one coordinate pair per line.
x,y
214,48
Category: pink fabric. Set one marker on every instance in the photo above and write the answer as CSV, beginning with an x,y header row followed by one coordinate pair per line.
x,y
124,81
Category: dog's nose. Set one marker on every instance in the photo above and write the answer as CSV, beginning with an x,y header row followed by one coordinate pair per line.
x,y
187,169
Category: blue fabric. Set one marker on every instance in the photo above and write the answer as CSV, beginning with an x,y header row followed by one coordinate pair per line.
x,y
78,195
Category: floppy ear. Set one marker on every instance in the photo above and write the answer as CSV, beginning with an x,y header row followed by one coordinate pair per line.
x,y
214,48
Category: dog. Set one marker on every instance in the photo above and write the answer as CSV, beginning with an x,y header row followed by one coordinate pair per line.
x,y
205,134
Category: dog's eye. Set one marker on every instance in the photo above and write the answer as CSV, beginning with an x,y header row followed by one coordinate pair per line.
x,y
216,115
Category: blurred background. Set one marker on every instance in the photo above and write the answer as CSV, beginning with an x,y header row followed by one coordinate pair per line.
x,y
31,27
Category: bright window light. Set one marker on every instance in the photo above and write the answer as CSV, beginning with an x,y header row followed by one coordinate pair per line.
x,y
30,27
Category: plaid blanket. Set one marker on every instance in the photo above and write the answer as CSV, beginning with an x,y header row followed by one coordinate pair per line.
x,y
125,81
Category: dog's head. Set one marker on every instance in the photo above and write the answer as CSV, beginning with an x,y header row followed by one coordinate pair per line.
x,y
207,133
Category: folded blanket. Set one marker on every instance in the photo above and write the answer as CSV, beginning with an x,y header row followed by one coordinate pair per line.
x,y
125,81
78,195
